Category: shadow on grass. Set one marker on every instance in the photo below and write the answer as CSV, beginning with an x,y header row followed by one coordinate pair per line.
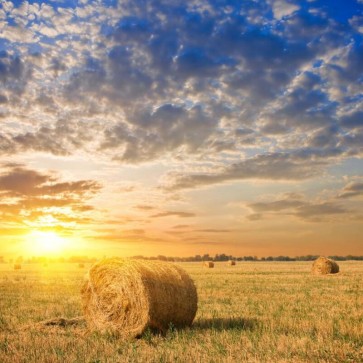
x,y
221,324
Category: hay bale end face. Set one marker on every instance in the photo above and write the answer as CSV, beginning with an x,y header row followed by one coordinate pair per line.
x,y
209,264
231,263
17,266
127,297
324,266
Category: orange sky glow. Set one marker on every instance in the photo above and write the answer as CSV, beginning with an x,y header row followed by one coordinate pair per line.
x,y
126,130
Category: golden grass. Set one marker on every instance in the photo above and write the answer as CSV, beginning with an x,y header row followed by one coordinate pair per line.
x,y
278,312
128,296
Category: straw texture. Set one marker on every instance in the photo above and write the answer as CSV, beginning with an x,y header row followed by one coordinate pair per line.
x,y
128,296
323,266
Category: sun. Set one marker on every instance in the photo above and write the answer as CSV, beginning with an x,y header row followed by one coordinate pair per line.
x,y
45,243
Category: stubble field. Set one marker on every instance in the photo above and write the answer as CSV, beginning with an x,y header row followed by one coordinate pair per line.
x,y
251,312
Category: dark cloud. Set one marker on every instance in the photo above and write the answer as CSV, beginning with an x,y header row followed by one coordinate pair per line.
x,y
32,195
14,74
352,121
298,165
276,206
353,189
20,181
316,211
302,209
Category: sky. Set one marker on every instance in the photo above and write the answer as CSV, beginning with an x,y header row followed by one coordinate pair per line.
x,y
181,127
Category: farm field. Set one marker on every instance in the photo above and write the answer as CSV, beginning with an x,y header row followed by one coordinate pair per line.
x,y
251,312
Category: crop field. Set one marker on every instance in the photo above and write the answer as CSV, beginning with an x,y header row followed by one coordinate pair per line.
x,y
251,312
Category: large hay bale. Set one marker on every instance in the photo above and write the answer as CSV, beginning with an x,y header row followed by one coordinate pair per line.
x,y
209,264
17,266
323,266
129,296
81,265
231,262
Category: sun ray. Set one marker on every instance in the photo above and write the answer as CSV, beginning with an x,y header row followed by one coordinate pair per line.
x,y
45,243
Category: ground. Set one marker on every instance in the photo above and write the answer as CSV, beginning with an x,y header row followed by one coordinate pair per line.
x,y
251,312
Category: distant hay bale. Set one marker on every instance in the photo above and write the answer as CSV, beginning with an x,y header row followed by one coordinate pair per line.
x,y
323,266
209,264
128,296
17,266
81,265
231,262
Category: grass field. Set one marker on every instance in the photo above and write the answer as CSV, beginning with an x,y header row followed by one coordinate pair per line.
x,y
251,312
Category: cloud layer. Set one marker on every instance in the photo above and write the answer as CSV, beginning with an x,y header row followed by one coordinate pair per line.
x,y
30,198
198,79
175,101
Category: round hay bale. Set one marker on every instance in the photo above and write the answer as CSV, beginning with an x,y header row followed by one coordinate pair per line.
x,y
81,265
209,264
231,262
127,296
323,266
17,266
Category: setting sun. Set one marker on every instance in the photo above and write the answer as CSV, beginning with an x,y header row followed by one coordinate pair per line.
x,y
45,243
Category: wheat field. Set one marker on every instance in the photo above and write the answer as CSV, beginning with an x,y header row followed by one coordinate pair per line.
x,y
251,312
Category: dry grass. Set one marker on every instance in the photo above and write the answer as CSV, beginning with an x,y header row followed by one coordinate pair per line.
x,y
324,266
127,296
278,312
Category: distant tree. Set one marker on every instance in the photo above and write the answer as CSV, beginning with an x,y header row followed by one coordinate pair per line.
x,y
162,258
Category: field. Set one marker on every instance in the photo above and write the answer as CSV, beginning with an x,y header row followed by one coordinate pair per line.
x,y
251,312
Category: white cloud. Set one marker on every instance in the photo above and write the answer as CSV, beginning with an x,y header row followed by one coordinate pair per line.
x,y
283,8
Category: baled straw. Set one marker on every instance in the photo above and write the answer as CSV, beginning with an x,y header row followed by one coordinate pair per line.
x,y
129,296
323,266
17,266
209,264
232,262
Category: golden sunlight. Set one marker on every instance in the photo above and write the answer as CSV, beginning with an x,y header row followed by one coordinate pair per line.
x,y
45,243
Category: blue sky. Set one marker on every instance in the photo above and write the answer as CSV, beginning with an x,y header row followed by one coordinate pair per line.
x,y
152,112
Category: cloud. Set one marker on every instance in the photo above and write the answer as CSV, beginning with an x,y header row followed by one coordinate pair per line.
x,y
300,208
352,189
144,207
353,120
180,214
276,206
283,8
213,230
298,165
185,81
41,199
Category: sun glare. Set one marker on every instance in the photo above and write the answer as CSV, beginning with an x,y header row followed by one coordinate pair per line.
x,y
45,243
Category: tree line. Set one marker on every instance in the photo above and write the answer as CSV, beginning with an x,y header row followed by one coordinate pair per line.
x,y
196,258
